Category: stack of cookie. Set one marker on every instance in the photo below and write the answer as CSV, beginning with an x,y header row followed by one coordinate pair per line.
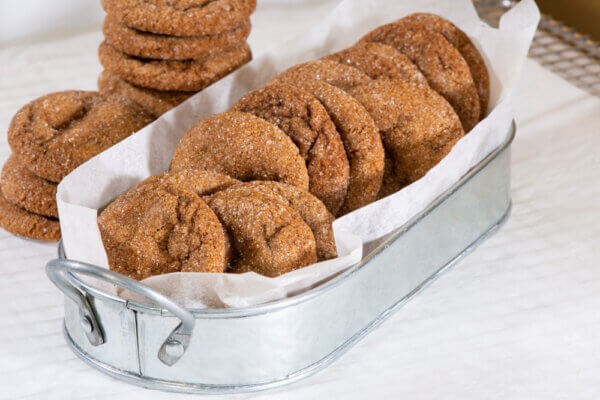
x,y
159,52
49,138
320,140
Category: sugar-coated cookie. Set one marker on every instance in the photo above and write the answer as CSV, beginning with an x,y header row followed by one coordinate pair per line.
x,y
185,75
19,221
242,146
311,209
379,60
27,190
442,64
156,102
54,134
361,139
181,17
339,75
417,125
304,119
269,237
162,225
463,44
161,47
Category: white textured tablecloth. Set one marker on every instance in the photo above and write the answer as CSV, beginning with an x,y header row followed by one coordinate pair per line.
x,y
519,318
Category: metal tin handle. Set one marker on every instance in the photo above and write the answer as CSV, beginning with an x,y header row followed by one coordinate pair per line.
x,y
172,348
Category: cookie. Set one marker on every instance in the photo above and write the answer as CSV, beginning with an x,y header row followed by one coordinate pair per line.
x,y
304,119
310,209
361,141
26,190
444,67
162,47
19,221
379,61
186,75
162,225
54,134
243,147
463,44
336,74
181,17
269,237
156,102
417,125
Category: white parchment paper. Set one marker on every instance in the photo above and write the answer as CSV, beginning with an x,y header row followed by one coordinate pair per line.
x,y
100,180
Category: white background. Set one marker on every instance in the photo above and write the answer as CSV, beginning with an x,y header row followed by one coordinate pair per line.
x,y
22,20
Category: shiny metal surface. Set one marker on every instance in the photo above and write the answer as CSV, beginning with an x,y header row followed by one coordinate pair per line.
x,y
61,273
236,350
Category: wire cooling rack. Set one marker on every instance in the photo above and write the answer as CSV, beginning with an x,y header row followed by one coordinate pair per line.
x,y
558,47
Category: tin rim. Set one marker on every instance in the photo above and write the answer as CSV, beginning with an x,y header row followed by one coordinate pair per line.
x,y
207,313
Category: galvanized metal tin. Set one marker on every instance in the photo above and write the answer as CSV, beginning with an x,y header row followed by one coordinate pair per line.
x,y
164,346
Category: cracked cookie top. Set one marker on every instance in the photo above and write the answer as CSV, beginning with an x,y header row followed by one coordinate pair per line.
x,y
242,146
56,133
162,225
304,119
268,236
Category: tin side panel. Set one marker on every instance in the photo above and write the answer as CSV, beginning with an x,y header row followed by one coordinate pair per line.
x,y
268,347
119,330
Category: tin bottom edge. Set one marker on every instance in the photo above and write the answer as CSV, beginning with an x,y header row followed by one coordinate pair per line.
x,y
312,369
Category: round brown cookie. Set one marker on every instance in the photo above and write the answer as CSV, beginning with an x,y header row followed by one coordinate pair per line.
x,y
186,75
269,237
304,119
156,102
26,190
151,45
361,140
162,225
19,221
242,146
445,69
379,61
467,49
332,72
203,183
181,17
311,209
56,133
418,127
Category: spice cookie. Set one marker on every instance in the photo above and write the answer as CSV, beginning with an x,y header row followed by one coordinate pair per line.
x,y
379,61
304,119
156,102
56,133
181,17
463,44
418,127
26,190
361,139
269,237
242,146
336,74
150,45
19,221
311,209
162,225
444,67
186,75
